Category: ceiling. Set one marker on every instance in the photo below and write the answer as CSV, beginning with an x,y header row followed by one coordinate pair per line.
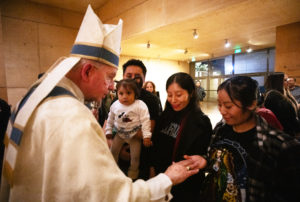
x,y
246,24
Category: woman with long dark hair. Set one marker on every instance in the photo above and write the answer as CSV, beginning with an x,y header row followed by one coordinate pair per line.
x,y
182,129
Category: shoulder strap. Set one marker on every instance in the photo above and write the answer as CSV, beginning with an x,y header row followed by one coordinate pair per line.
x,y
178,137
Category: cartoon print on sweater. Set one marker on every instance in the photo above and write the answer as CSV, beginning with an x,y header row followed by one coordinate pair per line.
x,y
125,117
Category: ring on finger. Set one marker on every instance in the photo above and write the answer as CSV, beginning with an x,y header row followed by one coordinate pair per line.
x,y
188,168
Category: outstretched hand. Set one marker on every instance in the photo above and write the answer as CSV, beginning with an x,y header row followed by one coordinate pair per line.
x,y
198,161
180,171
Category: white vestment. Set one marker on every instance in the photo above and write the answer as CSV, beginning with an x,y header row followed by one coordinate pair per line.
x,y
64,156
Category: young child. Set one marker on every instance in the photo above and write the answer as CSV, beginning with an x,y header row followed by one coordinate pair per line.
x,y
127,116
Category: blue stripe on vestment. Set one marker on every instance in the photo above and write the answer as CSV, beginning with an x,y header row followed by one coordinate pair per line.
x,y
16,134
98,52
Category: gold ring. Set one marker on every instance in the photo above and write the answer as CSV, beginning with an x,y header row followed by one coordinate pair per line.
x,y
188,168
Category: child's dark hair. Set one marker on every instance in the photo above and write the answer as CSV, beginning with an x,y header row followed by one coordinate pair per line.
x,y
128,84
241,88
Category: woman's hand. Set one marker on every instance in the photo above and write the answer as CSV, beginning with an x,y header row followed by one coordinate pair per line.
x,y
198,161
180,171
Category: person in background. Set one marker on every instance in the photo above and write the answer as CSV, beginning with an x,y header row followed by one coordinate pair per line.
x,y
5,113
294,89
150,86
278,81
289,94
283,109
182,129
200,92
103,109
267,114
102,113
126,116
247,159
56,150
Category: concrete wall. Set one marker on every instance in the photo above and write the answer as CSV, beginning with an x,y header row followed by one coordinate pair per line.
x,y
288,50
34,36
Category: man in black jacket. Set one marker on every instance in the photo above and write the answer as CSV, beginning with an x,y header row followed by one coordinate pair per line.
x,y
4,117
135,69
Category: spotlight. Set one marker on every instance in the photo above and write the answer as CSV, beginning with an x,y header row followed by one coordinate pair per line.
x,y
227,43
195,35
185,51
249,50
148,44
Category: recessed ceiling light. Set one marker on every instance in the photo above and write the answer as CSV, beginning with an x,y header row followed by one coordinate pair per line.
x,y
227,43
195,35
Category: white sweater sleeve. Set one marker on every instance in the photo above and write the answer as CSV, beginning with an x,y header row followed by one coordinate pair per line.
x,y
110,120
145,119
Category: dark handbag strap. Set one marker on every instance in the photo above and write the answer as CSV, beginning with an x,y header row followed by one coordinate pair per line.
x,y
178,137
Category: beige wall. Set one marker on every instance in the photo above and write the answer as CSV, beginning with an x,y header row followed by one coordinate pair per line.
x,y
3,89
34,36
288,50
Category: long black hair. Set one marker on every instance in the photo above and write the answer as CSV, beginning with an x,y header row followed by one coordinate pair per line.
x,y
283,109
275,82
186,82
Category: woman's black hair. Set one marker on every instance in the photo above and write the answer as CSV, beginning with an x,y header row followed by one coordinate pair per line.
x,y
186,82
275,82
128,84
241,88
283,109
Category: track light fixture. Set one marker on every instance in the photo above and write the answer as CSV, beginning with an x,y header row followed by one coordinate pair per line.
x,y
249,50
195,35
185,51
227,43
148,44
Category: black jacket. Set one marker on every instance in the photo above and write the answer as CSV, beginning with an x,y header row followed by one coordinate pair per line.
x,y
194,140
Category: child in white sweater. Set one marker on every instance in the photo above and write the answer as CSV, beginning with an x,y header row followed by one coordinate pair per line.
x,y
127,116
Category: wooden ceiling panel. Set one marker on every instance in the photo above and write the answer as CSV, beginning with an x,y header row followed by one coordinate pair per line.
x,y
169,24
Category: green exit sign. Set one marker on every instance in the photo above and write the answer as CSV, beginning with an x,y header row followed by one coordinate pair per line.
x,y
238,50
